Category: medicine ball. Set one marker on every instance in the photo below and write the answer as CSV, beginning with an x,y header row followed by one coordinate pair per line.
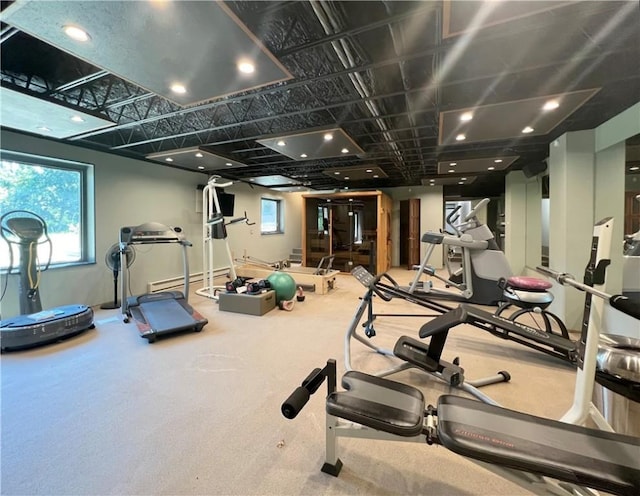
x,y
283,284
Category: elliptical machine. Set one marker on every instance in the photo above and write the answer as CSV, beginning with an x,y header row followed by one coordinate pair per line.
x,y
35,327
485,277
483,263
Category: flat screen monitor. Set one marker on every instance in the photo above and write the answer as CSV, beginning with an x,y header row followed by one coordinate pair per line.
x,y
227,202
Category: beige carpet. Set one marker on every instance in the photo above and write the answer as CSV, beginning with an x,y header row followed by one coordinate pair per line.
x,y
108,413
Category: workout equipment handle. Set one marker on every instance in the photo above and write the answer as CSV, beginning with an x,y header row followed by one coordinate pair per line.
x,y
619,302
626,305
450,219
213,181
295,402
476,209
300,396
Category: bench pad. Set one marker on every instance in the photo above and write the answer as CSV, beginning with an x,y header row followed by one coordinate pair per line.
x,y
378,403
587,457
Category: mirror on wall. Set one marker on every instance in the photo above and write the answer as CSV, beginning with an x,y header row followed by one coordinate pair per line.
x,y
544,220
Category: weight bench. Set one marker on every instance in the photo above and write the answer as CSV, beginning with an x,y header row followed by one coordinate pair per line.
x,y
529,448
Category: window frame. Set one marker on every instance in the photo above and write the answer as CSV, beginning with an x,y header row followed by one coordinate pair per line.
x,y
279,216
87,200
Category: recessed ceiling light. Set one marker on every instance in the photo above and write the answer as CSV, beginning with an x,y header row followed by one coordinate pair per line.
x,y
498,161
551,105
344,150
44,128
280,143
201,167
461,137
228,164
527,130
337,173
451,170
328,137
369,170
460,182
76,33
490,168
467,116
178,88
169,159
77,118
432,180
350,199
376,176
463,179
303,155
634,168
452,164
199,155
246,67
346,177
432,184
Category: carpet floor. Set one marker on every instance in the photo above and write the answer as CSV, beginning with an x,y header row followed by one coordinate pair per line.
x,y
107,413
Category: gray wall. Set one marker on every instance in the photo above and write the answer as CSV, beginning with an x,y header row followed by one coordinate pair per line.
x,y
130,192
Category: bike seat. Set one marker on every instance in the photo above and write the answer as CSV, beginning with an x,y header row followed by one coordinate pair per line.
x,y
528,283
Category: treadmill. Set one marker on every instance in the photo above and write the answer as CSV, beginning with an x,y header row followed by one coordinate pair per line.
x,y
166,312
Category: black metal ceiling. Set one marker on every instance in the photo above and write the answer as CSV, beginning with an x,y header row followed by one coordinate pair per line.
x,y
383,71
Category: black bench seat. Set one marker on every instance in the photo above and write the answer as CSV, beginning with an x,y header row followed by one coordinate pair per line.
x,y
587,457
579,455
378,403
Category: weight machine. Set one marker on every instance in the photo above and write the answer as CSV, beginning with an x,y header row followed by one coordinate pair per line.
x,y
543,456
215,228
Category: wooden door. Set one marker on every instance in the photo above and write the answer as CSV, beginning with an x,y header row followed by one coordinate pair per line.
x,y
410,232
631,212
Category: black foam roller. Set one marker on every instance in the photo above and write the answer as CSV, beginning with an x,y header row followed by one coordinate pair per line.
x,y
294,403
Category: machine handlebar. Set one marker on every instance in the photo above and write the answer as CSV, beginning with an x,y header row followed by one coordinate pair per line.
x,y
481,204
213,181
619,302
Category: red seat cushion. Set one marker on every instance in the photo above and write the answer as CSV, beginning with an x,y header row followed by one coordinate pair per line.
x,y
529,283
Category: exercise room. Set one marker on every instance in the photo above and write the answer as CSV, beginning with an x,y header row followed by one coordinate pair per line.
x,y
319,247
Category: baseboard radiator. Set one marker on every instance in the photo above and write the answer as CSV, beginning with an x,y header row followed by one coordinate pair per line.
x,y
178,282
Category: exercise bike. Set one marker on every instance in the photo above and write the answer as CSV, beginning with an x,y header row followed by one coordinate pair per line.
x,y
541,455
35,327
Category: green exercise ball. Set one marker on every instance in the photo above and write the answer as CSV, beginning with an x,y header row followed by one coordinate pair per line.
x,y
284,286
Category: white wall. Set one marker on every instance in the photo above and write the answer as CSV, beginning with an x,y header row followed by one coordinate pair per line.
x,y
129,192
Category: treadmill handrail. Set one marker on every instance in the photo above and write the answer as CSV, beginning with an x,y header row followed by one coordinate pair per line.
x,y
155,230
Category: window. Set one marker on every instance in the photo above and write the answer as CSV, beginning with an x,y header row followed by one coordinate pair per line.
x,y
271,216
59,191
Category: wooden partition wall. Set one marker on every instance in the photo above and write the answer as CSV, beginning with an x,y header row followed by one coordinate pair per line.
x,y
354,227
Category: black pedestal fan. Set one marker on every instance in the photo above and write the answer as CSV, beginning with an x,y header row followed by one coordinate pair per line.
x,y
112,259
